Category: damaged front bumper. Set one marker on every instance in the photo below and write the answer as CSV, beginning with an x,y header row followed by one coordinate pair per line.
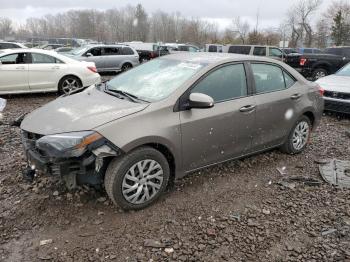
x,y
89,168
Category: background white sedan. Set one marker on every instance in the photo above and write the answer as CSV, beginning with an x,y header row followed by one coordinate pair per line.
x,y
337,90
34,70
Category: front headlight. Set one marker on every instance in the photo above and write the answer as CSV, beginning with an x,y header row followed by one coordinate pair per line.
x,y
68,144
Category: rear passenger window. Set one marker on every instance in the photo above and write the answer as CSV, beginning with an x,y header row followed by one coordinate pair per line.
x,y
290,81
259,51
127,51
223,84
44,59
268,78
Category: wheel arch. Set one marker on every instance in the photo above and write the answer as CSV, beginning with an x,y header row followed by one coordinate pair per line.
x,y
163,147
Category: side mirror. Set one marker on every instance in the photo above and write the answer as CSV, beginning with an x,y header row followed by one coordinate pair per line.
x,y
199,100
89,55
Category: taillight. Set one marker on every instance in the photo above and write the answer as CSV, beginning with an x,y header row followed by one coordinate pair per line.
x,y
321,90
152,55
92,69
303,61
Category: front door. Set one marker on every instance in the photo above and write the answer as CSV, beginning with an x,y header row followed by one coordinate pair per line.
x,y
225,131
14,73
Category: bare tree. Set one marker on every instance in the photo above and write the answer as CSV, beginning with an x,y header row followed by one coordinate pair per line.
x,y
6,28
242,28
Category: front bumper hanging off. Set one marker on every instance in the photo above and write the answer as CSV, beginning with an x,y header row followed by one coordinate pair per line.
x,y
86,169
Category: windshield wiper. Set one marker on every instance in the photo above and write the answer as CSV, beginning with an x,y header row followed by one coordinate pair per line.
x,y
125,94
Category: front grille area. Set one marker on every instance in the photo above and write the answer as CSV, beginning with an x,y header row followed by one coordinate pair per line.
x,y
29,139
337,106
337,95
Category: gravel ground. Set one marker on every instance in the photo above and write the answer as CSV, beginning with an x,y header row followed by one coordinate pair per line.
x,y
238,211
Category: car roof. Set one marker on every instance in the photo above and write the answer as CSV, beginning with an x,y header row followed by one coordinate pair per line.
x,y
216,58
103,45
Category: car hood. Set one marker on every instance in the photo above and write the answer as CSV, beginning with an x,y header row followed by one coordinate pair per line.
x,y
335,83
79,112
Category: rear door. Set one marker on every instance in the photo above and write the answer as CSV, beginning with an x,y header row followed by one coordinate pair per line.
x,y
14,73
277,98
44,72
225,131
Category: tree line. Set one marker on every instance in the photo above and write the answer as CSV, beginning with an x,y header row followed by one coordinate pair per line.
x,y
133,23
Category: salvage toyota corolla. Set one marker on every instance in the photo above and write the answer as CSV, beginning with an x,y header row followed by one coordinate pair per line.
x,y
168,117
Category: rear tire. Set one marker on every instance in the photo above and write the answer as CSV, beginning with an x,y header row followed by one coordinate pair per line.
x,y
298,137
69,84
138,179
126,67
319,73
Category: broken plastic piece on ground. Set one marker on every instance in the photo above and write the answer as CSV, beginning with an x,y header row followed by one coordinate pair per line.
x,y
328,232
290,182
305,180
336,172
322,161
282,171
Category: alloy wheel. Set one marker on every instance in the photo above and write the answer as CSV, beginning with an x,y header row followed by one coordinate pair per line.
x,y
69,85
142,181
301,135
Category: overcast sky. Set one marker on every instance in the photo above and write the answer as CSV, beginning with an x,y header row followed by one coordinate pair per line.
x,y
271,12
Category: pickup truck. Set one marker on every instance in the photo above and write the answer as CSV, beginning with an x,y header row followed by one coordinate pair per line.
x,y
315,66
145,55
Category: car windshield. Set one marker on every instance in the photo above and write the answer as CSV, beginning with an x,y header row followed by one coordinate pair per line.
x,y
155,80
345,71
79,50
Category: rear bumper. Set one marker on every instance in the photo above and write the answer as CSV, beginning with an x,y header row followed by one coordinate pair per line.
x,y
91,80
337,105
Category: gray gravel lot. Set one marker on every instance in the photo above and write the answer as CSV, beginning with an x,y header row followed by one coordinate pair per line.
x,y
237,211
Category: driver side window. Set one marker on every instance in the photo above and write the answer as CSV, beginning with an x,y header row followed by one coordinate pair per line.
x,y
226,83
94,51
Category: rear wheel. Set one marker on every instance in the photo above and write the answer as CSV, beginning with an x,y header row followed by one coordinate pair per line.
x,y
298,137
126,67
319,73
137,179
69,84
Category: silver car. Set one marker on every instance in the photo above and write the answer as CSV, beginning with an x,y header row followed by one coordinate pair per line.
x,y
107,58
169,117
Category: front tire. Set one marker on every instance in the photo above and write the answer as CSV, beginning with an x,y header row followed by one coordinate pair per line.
x,y
138,179
298,137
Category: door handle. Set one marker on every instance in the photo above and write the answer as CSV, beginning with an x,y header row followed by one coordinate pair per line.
x,y
20,67
295,96
248,108
55,67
